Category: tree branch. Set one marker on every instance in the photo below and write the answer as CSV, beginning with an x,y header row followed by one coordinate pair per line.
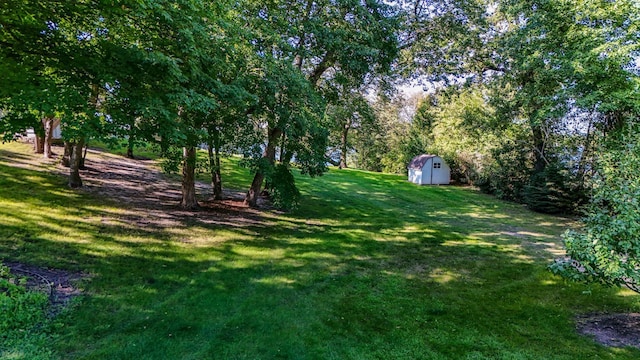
x,y
323,66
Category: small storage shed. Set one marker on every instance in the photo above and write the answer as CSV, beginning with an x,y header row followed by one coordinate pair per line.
x,y
429,170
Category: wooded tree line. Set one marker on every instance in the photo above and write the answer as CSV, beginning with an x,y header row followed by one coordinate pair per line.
x,y
527,91
253,77
530,94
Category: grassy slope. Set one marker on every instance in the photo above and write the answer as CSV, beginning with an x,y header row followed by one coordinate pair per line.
x,y
370,267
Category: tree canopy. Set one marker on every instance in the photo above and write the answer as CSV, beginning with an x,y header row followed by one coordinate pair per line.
x,y
527,90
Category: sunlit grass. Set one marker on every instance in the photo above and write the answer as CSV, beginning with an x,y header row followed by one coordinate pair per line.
x,y
369,267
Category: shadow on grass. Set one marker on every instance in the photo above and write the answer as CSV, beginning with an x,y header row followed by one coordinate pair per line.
x,y
360,271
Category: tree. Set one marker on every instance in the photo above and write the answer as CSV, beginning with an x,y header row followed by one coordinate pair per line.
x,y
330,43
379,141
53,50
606,249
170,81
420,135
348,113
546,61
460,126
287,113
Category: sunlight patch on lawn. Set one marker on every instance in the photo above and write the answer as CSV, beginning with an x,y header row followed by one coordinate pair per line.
x,y
485,216
10,219
444,276
278,281
259,253
526,233
108,210
200,237
549,282
318,255
624,292
467,242
546,249
515,251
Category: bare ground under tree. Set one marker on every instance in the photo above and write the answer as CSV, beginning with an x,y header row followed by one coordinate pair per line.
x,y
152,198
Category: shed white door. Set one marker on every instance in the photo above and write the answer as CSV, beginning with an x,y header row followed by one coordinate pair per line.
x,y
427,172
441,173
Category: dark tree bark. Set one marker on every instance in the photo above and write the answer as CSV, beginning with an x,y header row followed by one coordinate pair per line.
x,y
214,165
130,149
251,199
189,200
84,156
66,156
539,143
75,163
613,121
343,144
38,144
320,69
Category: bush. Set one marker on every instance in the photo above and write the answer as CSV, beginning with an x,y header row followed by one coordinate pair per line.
x,y
285,195
553,192
509,174
21,309
607,249
23,316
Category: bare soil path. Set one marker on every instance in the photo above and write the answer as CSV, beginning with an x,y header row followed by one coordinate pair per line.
x,y
616,330
153,198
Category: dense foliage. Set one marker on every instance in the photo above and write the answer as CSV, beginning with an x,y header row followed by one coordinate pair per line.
x,y
522,94
24,314
607,249
237,76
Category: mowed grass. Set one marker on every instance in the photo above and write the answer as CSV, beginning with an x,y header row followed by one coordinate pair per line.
x,y
369,267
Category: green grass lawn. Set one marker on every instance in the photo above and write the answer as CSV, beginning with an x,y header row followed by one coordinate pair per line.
x,y
369,267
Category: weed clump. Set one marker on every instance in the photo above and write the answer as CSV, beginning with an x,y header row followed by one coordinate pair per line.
x,y
24,313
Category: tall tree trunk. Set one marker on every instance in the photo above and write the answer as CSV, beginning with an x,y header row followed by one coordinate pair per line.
x,y
613,121
47,122
130,148
281,157
38,141
66,156
84,155
539,143
584,161
188,178
343,144
131,139
75,162
214,165
251,199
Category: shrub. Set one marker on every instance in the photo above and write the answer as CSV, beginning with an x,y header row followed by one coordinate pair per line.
x,y
553,192
607,249
21,309
285,195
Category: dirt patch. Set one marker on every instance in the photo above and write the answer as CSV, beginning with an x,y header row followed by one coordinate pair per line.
x,y
616,330
154,198
150,198
58,284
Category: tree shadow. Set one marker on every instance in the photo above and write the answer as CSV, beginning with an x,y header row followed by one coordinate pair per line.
x,y
383,274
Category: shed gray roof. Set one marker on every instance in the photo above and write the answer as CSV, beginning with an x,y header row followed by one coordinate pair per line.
x,y
419,161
